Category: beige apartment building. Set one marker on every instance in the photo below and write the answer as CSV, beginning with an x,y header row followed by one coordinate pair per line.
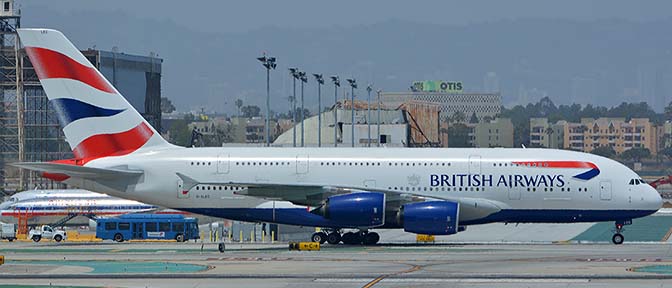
x,y
592,133
494,133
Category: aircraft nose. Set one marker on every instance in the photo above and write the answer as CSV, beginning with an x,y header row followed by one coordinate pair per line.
x,y
652,200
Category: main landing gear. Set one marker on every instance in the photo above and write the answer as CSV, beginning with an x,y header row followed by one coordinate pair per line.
x,y
618,237
334,237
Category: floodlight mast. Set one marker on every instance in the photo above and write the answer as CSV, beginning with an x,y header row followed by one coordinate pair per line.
x,y
269,63
304,79
294,72
320,82
337,83
368,114
353,85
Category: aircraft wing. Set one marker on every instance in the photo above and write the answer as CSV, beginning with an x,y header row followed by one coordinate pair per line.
x,y
78,171
315,194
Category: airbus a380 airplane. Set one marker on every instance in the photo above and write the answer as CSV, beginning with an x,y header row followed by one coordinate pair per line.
x,y
428,191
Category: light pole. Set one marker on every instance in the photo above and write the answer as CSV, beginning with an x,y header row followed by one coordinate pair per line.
x,y
378,122
295,74
320,82
368,114
353,85
337,83
304,79
269,63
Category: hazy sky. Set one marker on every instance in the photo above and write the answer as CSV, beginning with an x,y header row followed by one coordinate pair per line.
x,y
242,16
216,43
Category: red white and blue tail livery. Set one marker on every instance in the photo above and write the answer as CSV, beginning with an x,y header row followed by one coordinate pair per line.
x,y
438,191
96,119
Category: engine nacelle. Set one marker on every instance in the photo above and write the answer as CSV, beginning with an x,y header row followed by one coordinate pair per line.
x,y
431,217
360,209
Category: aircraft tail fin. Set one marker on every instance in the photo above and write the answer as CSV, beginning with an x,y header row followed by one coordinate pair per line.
x,y
96,119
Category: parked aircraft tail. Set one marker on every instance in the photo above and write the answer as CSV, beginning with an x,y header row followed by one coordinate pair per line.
x,y
96,119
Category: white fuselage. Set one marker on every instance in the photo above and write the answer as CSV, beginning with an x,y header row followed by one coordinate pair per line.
x,y
433,173
48,206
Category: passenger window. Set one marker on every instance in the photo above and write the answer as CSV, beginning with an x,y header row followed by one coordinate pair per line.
x,y
178,227
164,226
110,226
124,226
151,227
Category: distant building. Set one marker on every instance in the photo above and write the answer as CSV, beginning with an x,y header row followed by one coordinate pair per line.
x,y
394,129
138,78
493,133
251,130
592,133
665,135
482,104
544,134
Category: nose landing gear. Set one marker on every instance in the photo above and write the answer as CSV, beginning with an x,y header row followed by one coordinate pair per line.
x,y
618,237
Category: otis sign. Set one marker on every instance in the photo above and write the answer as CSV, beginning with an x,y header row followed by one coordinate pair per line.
x,y
437,86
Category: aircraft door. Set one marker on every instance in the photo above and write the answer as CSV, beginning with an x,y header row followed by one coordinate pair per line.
x,y
605,190
302,164
474,164
137,230
181,193
223,163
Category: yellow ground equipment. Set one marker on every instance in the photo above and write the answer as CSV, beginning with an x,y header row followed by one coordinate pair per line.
x,y
304,246
424,238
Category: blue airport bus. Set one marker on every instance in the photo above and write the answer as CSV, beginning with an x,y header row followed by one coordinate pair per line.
x,y
147,226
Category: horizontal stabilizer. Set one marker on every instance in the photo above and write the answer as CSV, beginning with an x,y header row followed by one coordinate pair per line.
x,y
78,171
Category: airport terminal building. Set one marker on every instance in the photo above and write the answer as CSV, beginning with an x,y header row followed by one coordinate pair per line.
x,y
451,100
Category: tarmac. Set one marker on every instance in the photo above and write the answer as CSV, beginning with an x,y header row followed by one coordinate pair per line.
x,y
165,264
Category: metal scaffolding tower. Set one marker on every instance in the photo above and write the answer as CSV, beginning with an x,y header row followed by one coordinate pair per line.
x,y
29,129
11,113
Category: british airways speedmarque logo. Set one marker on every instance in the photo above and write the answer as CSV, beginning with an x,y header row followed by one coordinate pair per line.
x,y
587,175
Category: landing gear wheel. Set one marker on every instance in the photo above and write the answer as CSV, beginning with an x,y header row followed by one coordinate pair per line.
x,y
371,238
118,237
617,239
320,237
349,238
333,238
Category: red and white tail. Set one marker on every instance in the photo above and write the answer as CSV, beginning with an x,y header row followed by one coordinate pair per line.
x,y
96,119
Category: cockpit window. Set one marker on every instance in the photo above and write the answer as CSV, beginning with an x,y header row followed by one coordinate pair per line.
x,y
12,199
632,182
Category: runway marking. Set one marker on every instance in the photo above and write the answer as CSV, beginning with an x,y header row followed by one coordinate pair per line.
x,y
667,235
454,280
619,260
381,277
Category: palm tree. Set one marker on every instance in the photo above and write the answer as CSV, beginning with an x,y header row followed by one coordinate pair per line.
x,y
239,104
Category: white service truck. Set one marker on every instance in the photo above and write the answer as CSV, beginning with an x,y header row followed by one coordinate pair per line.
x,y
8,231
45,231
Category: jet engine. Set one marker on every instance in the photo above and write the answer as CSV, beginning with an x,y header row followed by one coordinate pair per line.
x,y
431,217
359,209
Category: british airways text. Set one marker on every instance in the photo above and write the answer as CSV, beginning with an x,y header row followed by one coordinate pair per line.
x,y
481,180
